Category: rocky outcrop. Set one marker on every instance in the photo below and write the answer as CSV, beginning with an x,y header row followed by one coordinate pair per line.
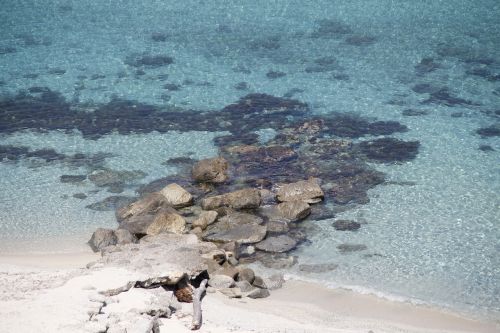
x,y
177,196
212,170
242,199
305,190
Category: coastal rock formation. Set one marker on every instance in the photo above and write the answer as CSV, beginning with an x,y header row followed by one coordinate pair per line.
x,y
212,170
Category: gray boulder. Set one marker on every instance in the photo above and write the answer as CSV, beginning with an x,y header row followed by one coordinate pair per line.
x,y
258,293
150,204
277,244
242,199
221,281
212,170
246,274
125,237
205,219
244,286
294,210
237,227
177,196
102,238
305,190
231,292
167,222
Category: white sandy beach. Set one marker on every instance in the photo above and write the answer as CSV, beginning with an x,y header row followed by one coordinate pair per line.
x,y
49,293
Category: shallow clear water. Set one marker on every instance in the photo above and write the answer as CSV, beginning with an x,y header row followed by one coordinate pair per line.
x,y
436,241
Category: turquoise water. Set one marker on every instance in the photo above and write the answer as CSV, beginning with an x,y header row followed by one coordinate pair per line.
x,y
436,241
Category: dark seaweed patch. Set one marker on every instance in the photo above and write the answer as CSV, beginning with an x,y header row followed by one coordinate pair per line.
x,y
444,97
275,74
172,87
489,131
328,28
425,88
486,148
241,86
159,36
149,60
360,40
7,50
426,65
387,150
414,113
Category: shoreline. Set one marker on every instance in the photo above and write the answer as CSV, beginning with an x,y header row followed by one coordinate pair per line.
x,y
299,305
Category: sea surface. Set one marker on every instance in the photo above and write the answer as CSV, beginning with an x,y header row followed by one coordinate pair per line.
x,y
431,231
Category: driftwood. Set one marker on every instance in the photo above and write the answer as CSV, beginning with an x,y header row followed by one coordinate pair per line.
x,y
197,295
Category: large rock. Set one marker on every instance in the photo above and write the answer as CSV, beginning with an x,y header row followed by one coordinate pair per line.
x,y
102,238
277,244
221,281
150,205
138,216
167,222
242,199
237,227
294,210
177,196
305,190
205,219
125,237
212,170
259,293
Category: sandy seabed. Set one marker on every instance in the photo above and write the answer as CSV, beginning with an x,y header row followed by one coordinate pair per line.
x,y
50,293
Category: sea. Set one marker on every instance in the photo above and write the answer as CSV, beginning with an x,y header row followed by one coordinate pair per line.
x,y
431,231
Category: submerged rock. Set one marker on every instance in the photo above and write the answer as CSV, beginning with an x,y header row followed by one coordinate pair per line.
x,y
294,210
317,268
242,199
72,178
111,203
346,225
108,177
347,248
212,170
277,244
305,190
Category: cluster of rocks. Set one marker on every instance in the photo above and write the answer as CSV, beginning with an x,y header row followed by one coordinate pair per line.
x,y
248,223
